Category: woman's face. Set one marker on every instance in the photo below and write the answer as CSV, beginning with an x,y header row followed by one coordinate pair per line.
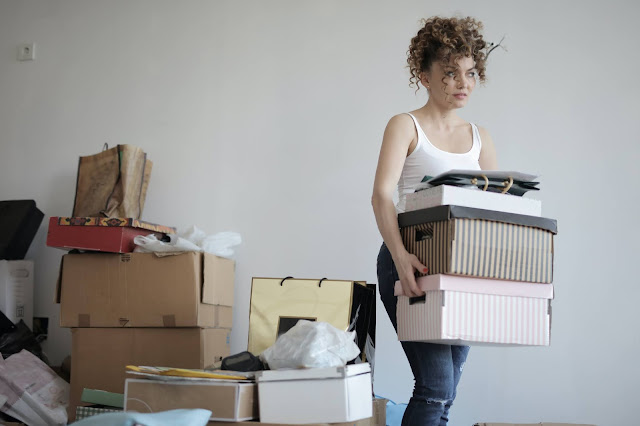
x,y
451,84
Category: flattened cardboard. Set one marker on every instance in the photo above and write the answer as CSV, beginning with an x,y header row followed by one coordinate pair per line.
x,y
482,243
224,272
227,400
144,290
99,355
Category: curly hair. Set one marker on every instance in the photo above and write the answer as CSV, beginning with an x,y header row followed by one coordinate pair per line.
x,y
440,39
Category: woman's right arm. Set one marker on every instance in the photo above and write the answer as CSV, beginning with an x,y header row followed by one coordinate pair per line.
x,y
398,137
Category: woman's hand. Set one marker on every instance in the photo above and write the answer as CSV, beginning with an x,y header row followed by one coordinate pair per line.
x,y
407,265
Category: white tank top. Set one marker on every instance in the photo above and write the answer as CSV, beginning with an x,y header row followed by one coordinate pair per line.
x,y
427,160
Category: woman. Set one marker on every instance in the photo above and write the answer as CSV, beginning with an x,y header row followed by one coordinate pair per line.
x,y
447,57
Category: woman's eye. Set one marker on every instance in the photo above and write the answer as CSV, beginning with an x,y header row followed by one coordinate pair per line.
x,y
450,74
472,74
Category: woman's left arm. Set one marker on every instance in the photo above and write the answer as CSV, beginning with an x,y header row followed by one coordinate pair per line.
x,y
487,159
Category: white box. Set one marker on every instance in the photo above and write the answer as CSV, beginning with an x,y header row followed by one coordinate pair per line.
x,y
468,311
228,400
315,395
443,195
16,290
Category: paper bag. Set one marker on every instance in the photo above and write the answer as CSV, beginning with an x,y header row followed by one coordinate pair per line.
x,y
277,304
112,183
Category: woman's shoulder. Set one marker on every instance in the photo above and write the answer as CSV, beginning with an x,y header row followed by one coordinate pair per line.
x,y
483,132
401,123
401,119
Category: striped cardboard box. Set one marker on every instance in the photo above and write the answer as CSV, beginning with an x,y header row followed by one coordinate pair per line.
x,y
482,243
469,311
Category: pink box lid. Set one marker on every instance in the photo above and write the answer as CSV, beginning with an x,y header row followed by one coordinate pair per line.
x,y
480,285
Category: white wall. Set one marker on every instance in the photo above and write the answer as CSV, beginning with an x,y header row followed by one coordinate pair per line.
x,y
266,118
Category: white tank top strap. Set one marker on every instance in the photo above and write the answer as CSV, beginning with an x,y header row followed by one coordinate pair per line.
x,y
419,131
477,142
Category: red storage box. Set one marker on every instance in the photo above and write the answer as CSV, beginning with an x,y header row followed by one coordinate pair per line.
x,y
114,235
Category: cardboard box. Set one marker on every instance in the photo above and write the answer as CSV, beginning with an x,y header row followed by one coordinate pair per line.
x,y
315,395
143,290
113,235
467,311
227,400
99,355
481,243
379,407
16,290
443,195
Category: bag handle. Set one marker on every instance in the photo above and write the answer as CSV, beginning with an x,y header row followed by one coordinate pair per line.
x,y
507,185
474,181
287,278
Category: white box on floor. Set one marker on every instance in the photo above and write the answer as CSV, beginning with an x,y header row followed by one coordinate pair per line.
x,y
466,311
443,195
315,395
16,290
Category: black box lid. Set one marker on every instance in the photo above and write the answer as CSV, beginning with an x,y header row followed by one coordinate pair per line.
x,y
441,213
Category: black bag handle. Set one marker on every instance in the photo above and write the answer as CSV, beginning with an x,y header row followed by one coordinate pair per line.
x,y
287,278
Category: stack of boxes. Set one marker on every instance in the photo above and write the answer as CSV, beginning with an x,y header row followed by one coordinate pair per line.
x,y
490,269
142,309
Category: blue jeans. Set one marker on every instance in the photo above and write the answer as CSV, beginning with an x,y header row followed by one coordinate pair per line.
x,y
436,368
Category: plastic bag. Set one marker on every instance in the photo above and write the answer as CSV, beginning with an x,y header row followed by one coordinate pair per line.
x,y
310,344
19,338
191,239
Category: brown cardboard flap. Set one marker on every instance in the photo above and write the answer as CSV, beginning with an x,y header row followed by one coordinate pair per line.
x,y
441,213
219,274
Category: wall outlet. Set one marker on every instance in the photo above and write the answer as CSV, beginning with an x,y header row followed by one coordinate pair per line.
x,y
27,52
